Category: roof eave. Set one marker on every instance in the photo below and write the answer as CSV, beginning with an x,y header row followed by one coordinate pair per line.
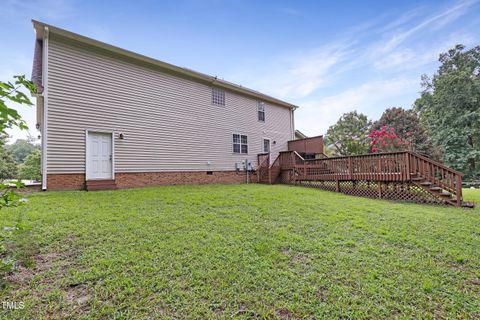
x,y
39,27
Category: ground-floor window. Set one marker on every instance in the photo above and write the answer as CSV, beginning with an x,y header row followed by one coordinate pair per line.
x,y
240,143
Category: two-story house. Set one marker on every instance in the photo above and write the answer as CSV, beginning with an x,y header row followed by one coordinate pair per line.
x,y
109,117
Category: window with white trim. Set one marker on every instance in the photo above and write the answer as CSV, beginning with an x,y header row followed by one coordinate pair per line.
x,y
261,111
266,145
218,97
240,143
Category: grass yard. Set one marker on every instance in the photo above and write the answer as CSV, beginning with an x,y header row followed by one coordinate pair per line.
x,y
244,251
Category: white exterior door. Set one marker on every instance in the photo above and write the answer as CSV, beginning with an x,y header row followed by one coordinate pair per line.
x,y
99,156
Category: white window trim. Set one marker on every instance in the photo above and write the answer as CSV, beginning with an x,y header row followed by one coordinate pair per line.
x,y
87,152
247,144
261,103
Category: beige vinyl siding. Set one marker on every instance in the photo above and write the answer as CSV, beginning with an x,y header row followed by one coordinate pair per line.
x,y
169,122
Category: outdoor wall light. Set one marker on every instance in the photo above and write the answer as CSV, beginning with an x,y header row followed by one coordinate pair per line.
x,y
121,136
274,142
37,126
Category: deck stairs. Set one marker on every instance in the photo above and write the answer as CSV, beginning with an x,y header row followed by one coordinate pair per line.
x,y
397,175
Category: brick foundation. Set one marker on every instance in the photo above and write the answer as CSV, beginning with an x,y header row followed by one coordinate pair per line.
x,y
144,179
74,181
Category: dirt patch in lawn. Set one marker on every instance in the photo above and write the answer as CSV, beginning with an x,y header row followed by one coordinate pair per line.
x,y
285,314
49,267
77,296
48,273
42,263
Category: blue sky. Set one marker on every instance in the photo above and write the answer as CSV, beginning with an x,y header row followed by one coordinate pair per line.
x,y
327,57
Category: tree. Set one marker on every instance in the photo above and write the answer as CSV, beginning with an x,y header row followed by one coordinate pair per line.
x,y
21,149
449,107
386,139
8,167
9,91
30,169
9,118
349,135
408,130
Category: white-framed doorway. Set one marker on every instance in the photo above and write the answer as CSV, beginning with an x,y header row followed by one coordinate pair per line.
x,y
99,155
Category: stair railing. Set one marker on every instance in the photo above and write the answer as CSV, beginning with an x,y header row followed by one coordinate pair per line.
x,y
438,174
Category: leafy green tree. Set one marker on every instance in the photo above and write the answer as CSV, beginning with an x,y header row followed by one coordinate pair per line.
x,y
9,118
408,128
21,149
30,169
449,107
8,167
349,135
9,91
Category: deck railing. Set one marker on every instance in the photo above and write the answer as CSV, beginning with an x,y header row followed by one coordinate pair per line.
x,y
382,167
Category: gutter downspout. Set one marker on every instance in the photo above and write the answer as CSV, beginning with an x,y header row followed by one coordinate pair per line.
x,y
45,108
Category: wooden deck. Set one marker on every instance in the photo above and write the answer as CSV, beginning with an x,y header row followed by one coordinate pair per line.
x,y
396,175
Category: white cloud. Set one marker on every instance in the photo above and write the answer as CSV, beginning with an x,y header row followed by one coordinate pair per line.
x,y
436,21
310,71
316,116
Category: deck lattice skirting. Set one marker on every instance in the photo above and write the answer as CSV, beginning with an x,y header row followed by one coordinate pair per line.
x,y
403,176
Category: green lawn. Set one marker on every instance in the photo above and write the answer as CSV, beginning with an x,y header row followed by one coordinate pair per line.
x,y
245,251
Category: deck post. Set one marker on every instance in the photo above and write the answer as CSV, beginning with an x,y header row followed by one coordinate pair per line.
x,y
458,185
292,156
350,169
270,175
337,185
380,189
407,156
304,170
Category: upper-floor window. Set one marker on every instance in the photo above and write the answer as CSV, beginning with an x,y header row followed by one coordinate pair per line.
x,y
218,97
240,143
261,111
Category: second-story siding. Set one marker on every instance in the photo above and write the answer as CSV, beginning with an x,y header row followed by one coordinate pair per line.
x,y
169,122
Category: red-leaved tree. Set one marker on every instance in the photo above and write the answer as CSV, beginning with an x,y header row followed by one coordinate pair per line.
x,y
387,140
